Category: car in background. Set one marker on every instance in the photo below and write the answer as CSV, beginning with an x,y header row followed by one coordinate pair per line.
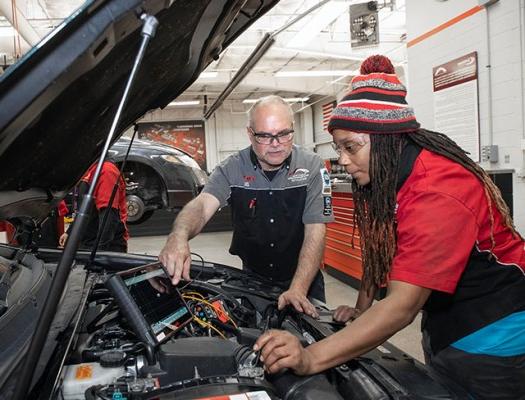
x,y
157,176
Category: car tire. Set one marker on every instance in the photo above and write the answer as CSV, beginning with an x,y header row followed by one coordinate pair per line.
x,y
137,212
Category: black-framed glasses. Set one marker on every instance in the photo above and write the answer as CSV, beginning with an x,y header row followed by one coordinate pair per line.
x,y
348,147
267,138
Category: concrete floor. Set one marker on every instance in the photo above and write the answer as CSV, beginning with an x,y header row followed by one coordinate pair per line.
x,y
214,247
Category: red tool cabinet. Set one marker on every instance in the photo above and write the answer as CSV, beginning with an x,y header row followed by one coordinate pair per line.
x,y
339,253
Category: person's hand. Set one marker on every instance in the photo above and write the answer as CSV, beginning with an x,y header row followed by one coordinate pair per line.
x,y
280,350
298,300
158,283
62,240
346,313
176,257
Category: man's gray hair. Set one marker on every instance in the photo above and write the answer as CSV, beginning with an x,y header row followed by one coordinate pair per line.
x,y
269,100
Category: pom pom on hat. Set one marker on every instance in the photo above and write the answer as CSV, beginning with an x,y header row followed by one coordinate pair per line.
x,y
377,63
376,102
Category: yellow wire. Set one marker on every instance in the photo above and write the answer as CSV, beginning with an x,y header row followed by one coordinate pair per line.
x,y
212,307
204,323
194,293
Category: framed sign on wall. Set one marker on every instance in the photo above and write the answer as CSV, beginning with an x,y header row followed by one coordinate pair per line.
x,y
456,108
188,136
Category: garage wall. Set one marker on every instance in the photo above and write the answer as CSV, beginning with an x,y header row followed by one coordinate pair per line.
x,y
457,28
226,129
322,137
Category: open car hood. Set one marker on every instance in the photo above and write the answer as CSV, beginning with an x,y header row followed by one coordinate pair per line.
x,y
58,102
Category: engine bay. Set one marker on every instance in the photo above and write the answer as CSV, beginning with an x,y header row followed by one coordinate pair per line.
x,y
123,332
141,338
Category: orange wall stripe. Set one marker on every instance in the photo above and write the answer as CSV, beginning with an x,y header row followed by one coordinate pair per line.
x,y
445,25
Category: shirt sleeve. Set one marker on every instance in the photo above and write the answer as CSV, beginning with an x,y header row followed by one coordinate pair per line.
x,y
318,207
219,185
435,236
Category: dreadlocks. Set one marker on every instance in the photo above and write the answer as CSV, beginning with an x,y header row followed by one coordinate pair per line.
x,y
375,203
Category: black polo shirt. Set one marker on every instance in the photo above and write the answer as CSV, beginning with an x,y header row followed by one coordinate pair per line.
x,y
269,215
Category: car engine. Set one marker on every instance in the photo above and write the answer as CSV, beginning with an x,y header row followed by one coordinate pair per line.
x,y
208,352
122,331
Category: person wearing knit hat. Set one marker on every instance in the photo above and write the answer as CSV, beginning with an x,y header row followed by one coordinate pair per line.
x,y
434,229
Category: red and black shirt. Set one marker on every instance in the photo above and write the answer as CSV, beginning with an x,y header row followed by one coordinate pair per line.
x,y
444,244
115,235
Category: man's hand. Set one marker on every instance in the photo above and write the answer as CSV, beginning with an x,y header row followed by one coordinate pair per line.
x,y
281,349
176,257
346,313
298,300
62,240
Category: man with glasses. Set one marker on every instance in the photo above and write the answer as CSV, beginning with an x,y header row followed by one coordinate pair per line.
x,y
280,204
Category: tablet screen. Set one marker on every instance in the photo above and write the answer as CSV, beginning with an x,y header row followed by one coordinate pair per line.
x,y
165,311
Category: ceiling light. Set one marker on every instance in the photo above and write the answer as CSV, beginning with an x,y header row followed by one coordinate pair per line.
x,y
208,74
313,73
185,103
288,99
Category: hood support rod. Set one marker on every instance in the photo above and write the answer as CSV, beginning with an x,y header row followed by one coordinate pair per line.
x,y
149,28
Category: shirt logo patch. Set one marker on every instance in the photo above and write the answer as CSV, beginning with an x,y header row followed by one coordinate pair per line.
x,y
300,174
327,205
327,186
247,179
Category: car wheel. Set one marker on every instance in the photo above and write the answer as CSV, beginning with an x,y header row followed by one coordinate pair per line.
x,y
137,212
147,215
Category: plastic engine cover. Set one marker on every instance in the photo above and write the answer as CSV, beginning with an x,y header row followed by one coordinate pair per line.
x,y
211,357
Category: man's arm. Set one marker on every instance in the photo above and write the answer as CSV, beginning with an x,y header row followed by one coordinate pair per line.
x,y
175,255
308,265
282,350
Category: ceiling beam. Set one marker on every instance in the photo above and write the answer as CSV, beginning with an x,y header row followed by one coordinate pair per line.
x,y
24,28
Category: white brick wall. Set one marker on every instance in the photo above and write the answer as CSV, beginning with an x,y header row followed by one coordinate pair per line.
x,y
506,20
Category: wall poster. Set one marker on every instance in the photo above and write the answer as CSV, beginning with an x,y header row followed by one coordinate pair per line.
x,y
456,108
187,136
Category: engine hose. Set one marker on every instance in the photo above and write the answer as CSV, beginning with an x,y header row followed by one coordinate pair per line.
x,y
90,393
150,354
241,353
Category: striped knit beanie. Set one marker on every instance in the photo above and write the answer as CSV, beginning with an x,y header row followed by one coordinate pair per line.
x,y
376,102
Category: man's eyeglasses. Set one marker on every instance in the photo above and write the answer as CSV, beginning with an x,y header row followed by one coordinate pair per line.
x,y
267,138
349,147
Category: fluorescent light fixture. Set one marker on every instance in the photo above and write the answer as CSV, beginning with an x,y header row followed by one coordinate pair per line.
x,y
313,73
313,27
185,103
208,74
323,54
288,99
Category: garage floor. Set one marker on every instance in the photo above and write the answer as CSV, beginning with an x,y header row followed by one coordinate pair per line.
x,y
214,247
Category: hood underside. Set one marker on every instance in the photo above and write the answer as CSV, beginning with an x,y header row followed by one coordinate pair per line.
x,y
58,102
